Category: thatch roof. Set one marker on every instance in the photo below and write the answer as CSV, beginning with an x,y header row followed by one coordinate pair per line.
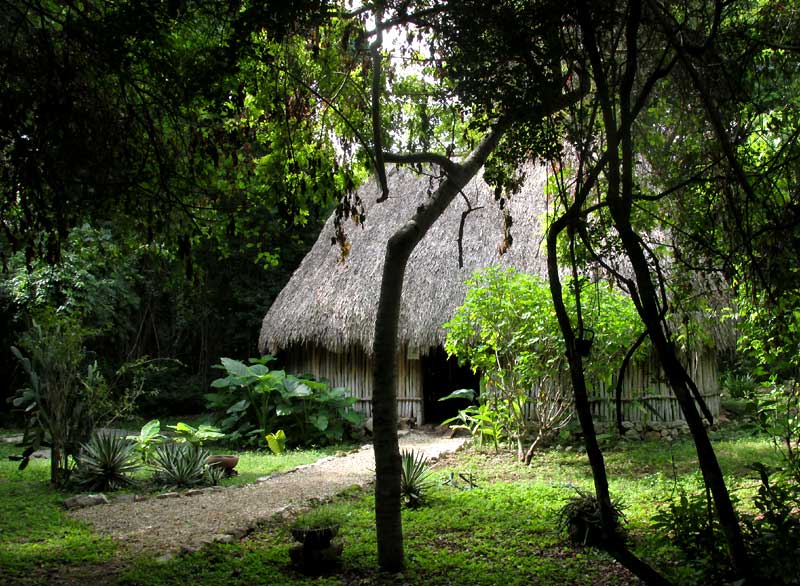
x,y
333,303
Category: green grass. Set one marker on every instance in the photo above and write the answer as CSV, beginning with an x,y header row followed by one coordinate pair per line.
x,y
503,532
38,538
35,532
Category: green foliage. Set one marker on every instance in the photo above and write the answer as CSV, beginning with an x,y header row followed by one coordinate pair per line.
x,y
779,409
276,442
774,532
54,407
414,474
507,330
580,518
482,422
689,523
318,518
256,400
106,462
196,435
180,465
146,441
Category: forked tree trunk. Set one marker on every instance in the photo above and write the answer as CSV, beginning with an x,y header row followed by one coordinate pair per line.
x,y
679,383
384,392
610,537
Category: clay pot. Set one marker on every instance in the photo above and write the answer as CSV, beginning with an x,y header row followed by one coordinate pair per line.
x,y
228,463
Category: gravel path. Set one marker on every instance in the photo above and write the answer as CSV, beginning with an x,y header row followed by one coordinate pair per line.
x,y
188,523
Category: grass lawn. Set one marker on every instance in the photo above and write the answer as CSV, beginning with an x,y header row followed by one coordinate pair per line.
x,y
502,532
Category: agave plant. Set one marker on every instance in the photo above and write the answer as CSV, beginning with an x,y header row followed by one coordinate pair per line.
x,y
106,462
180,465
580,517
414,478
214,473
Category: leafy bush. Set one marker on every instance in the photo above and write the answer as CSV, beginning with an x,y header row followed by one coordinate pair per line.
x,y
507,330
580,517
690,524
415,471
106,463
779,410
149,437
481,421
180,465
254,401
774,533
196,435
56,413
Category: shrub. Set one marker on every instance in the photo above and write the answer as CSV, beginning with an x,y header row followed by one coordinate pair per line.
x,y
254,401
415,471
507,330
105,463
180,465
774,533
54,409
196,435
149,437
688,521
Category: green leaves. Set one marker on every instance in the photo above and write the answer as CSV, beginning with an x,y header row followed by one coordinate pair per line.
x,y
276,442
257,399
507,329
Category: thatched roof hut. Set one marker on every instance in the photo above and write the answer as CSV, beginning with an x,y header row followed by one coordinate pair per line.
x,y
323,321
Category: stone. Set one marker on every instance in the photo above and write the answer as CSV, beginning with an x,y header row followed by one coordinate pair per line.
x,y
196,492
164,558
406,423
223,538
403,432
239,533
125,498
652,435
632,434
168,495
628,425
85,500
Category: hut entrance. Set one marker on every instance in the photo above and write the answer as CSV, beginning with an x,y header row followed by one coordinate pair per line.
x,y
440,377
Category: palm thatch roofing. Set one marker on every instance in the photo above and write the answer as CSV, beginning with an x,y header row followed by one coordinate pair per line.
x,y
333,302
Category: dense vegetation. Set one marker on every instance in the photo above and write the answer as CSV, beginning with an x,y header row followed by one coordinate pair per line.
x,y
164,166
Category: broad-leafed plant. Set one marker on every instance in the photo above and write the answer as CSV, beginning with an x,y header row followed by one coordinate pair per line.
x,y
254,401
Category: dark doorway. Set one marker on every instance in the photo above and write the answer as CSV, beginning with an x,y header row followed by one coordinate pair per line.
x,y
440,377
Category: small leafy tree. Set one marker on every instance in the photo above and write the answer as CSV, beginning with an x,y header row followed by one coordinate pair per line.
x,y
507,330
53,404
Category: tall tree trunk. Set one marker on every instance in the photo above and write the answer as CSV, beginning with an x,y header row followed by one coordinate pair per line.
x,y
679,383
384,389
610,538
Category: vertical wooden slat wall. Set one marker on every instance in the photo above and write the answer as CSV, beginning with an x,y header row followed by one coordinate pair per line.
x,y
353,371
645,394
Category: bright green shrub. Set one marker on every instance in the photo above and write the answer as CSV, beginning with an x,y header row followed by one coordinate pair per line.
x,y
255,401
507,330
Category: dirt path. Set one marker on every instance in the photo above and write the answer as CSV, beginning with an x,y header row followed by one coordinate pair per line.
x,y
171,525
